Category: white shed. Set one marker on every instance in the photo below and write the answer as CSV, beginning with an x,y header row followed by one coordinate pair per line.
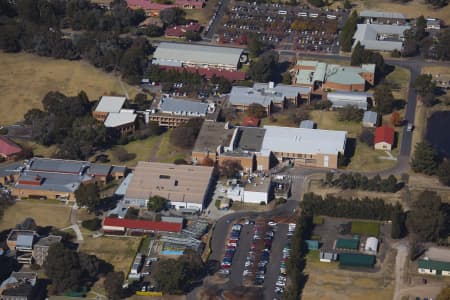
x,y
257,191
371,245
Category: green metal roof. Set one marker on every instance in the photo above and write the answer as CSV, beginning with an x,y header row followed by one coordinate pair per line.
x,y
312,244
356,260
434,265
352,244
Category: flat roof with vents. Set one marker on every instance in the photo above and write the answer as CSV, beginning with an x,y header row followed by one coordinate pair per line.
x,y
179,183
303,140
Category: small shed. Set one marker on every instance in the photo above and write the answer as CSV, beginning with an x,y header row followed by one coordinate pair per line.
x,y
347,244
312,244
356,260
371,245
384,138
370,119
328,256
309,124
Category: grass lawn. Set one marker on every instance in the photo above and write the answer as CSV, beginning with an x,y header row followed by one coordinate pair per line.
x,y
27,78
368,159
411,9
141,148
45,214
168,153
399,81
328,120
118,251
367,228
202,15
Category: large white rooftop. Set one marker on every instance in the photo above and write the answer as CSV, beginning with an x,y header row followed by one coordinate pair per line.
x,y
303,140
110,104
369,36
120,118
198,54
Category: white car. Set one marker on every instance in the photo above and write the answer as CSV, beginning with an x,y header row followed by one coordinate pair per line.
x,y
272,223
280,283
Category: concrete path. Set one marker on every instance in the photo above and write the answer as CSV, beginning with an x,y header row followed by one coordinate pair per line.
x,y
73,221
400,261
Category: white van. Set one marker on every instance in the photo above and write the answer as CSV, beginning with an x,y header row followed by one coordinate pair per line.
x,y
331,17
282,12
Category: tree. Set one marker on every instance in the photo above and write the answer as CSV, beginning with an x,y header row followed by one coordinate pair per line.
x,y
395,118
384,100
347,4
256,110
441,49
398,229
63,269
185,135
113,285
172,16
424,159
88,195
92,224
286,78
421,26
298,115
424,84
317,3
437,3
157,203
265,68
444,172
426,218
229,168
346,35
254,45
367,137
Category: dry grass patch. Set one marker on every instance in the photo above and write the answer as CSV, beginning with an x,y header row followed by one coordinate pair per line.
x,y
117,251
411,9
27,78
202,15
44,214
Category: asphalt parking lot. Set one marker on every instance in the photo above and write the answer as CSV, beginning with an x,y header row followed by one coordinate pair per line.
x,y
241,253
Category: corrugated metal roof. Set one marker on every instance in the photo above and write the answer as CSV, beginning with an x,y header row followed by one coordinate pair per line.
x,y
171,105
199,54
110,104
367,35
24,240
302,140
434,265
356,260
143,224
381,14
370,117
352,244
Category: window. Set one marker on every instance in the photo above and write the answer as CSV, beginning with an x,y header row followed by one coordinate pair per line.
x,y
164,177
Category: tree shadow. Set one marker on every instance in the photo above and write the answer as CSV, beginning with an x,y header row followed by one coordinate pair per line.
x,y
350,148
399,104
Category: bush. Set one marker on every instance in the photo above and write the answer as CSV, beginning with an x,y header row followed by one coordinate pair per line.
x,y
366,136
92,224
217,203
350,113
262,203
123,155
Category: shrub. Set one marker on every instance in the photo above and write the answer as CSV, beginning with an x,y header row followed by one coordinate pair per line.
x,y
92,224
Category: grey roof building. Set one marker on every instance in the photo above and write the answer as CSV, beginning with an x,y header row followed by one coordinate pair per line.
x,y
40,249
309,124
383,15
370,119
110,104
341,99
179,54
380,37
183,107
19,286
241,95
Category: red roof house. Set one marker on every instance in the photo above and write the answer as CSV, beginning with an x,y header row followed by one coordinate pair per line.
x,y
180,30
121,225
250,121
384,138
8,148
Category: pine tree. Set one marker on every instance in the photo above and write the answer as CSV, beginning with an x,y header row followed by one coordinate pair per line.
x,y
424,159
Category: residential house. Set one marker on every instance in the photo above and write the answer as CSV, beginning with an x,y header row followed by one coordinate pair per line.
x,y
40,249
433,267
370,119
184,186
8,149
173,112
384,138
330,77
19,286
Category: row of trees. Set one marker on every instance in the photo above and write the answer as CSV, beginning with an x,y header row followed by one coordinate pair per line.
x,y
5,201
296,262
362,182
178,276
365,208
425,86
347,32
425,160
185,135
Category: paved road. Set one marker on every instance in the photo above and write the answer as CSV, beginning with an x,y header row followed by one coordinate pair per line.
x,y
237,267
216,23
273,269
